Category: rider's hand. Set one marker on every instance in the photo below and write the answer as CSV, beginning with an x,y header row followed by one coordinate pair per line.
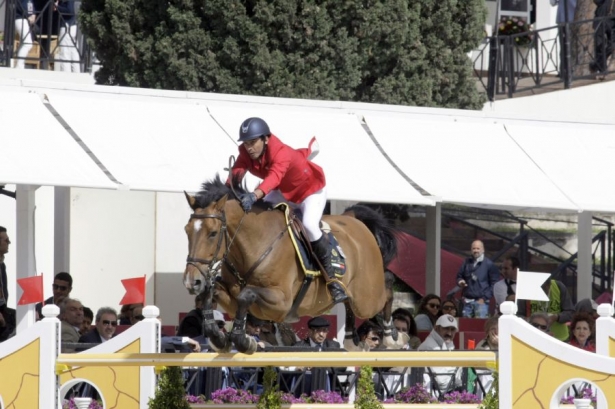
x,y
247,200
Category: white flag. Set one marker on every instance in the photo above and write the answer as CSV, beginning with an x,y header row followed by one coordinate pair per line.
x,y
529,286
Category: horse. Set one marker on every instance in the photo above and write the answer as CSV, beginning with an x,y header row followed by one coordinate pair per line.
x,y
246,262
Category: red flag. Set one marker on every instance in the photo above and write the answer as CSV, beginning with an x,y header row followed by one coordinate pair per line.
x,y
32,290
471,344
135,291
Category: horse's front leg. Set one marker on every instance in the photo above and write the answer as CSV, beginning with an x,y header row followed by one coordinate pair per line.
x,y
243,342
218,340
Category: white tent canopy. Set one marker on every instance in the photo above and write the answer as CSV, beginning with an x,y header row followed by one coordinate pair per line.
x,y
37,150
467,161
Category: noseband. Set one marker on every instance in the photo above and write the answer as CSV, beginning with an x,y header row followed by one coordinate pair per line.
x,y
197,262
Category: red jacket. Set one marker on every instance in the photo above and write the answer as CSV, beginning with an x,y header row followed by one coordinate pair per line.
x,y
283,168
589,345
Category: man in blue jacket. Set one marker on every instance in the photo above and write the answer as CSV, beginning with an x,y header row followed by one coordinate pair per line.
x,y
477,276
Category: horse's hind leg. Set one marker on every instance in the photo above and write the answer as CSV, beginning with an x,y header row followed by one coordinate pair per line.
x,y
243,342
351,338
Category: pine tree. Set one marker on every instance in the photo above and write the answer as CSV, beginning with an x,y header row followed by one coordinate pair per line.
x,y
408,52
170,393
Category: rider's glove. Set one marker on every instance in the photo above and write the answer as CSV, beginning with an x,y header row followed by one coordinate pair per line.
x,y
247,200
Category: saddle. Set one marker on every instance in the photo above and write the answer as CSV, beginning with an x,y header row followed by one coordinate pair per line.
x,y
309,262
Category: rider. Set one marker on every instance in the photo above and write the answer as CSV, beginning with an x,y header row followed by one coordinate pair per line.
x,y
288,176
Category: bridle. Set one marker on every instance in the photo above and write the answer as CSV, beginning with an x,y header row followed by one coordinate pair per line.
x,y
214,262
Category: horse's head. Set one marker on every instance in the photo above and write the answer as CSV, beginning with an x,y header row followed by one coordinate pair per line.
x,y
207,234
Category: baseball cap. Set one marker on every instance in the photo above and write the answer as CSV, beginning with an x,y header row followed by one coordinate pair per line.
x,y
447,320
218,316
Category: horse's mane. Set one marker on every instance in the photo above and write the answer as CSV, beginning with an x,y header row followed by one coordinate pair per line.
x,y
380,227
215,189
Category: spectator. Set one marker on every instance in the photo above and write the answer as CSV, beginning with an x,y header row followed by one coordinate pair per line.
x,y
253,328
565,14
192,324
490,342
604,36
317,338
450,307
559,308
124,316
476,278
8,320
88,318
106,323
428,312
582,326
445,379
67,37
404,323
25,20
71,315
62,286
589,306
136,314
506,288
540,321
369,335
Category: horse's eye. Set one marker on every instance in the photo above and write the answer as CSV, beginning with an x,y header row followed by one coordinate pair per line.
x,y
212,234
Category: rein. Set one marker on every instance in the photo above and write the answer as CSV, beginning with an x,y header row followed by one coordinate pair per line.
x,y
213,262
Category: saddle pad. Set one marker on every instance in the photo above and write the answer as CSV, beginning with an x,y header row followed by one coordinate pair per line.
x,y
307,265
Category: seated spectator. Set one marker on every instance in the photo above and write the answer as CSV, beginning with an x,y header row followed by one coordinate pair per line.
x,y
62,286
540,320
450,307
106,324
136,314
192,324
253,328
124,316
317,337
71,317
404,323
582,326
490,342
88,317
442,379
428,312
370,336
589,306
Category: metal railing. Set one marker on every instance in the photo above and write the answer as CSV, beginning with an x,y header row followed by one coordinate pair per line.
x,y
45,44
603,251
553,56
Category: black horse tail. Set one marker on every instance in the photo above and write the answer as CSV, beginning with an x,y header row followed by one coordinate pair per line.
x,y
380,227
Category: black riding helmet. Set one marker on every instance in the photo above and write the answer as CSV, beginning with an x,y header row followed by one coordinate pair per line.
x,y
253,128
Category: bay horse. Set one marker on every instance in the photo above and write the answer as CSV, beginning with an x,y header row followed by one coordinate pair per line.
x,y
246,262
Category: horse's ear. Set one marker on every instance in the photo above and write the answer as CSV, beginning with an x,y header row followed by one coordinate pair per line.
x,y
191,200
220,203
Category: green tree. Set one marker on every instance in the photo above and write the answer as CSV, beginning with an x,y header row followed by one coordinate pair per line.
x,y
408,52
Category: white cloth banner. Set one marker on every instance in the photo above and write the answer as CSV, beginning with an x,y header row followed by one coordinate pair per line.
x,y
529,285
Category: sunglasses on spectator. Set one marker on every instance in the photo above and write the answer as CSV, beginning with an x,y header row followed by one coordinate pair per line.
x,y
375,339
221,324
112,323
449,307
433,305
542,327
59,287
139,317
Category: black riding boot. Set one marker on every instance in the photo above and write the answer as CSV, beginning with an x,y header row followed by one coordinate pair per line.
x,y
323,252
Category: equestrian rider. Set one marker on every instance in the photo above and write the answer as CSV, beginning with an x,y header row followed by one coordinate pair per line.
x,y
287,176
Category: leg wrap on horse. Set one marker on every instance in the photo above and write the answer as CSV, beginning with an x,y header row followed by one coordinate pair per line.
x,y
323,252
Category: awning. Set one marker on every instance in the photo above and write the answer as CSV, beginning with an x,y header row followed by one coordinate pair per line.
x,y
411,260
467,161
354,167
579,159
148,143
36,150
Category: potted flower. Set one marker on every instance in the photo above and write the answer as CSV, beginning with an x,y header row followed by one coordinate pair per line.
x,y
513,26
583,399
